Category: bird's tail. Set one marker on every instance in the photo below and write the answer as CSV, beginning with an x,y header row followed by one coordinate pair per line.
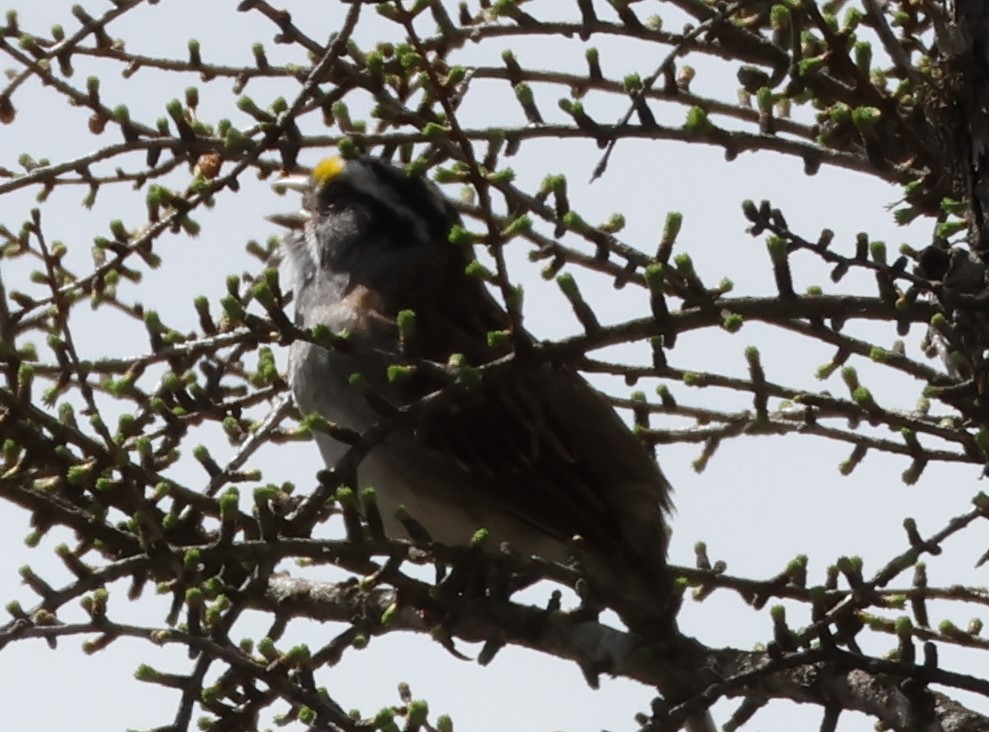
x,y
701,724
649,606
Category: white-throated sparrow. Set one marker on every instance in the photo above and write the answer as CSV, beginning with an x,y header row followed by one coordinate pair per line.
x,y
532,453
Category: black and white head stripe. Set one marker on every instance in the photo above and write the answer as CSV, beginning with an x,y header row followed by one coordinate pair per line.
x,y
397,201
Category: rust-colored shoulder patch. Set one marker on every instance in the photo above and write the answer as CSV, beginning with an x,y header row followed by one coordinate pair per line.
x,y
362,299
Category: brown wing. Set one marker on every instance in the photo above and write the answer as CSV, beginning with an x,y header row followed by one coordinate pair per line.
x,y
550,450
539,441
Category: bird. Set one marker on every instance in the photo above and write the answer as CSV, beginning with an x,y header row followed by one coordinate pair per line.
x,y
531,453
534,454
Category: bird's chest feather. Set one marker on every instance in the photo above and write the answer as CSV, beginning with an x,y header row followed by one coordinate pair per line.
x,y
321,376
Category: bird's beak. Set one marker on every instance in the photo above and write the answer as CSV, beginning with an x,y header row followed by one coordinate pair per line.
x,y
297,183
291,221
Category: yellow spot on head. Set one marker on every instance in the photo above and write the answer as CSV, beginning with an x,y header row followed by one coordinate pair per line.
x,y
327,169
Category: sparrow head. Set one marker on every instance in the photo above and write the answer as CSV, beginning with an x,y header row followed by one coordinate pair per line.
x,y
406,208
375,241
364,208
